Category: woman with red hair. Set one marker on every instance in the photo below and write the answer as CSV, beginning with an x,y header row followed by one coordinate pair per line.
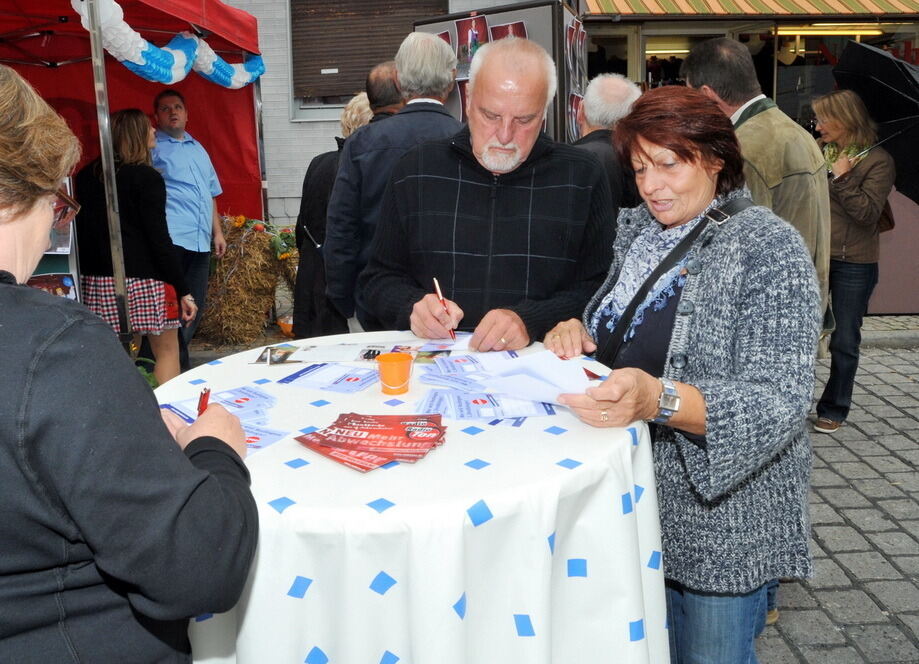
x,y
709,319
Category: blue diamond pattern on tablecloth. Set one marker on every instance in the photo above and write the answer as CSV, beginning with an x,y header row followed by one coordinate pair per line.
x,y
299,587
388,658
316,656
380,504
477,464
261,381
319,403
577,567
203,617
479,513
568,463
523,624
637,630
394,402
381,583
297,463
460,606
634,435
626,503
654,562
309,429
638,491
391,464
197,381
555,431
281,504
214,362
551,539
472,431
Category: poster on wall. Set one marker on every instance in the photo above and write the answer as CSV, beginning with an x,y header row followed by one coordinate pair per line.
x,y
445,35
461,84
515,29
575,73
471,33
574,105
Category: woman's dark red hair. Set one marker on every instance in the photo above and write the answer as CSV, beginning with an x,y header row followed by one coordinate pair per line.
x,y
688,123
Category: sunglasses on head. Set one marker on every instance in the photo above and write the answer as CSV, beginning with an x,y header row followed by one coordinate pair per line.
x,y
65,209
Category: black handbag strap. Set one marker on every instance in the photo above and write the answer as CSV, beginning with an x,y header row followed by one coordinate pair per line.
x,y
610,349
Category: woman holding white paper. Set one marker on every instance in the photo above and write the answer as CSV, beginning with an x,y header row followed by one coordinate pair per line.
x,y
113,535
709,318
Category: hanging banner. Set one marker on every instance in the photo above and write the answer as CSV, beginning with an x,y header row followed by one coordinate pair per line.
x,y
171,63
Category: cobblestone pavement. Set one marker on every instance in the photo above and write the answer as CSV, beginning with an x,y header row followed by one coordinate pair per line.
x,y
863,603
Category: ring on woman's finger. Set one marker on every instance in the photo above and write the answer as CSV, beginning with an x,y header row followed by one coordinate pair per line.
x,y
503,341
604,416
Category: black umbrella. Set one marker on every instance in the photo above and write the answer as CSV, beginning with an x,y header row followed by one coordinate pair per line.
x,y
890,89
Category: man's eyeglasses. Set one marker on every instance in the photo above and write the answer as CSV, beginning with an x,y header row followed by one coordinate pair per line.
x,y
65,209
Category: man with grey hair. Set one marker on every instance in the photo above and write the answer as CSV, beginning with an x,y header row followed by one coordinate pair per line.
x,y
516,228
425,68
783,166
608,98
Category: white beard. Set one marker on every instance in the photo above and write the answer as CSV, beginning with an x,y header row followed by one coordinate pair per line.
x,y
499,162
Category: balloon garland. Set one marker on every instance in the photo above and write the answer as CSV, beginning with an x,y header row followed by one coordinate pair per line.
x,y
171,63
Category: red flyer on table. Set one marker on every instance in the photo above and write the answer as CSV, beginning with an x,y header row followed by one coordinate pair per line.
x,y
383,438
356,459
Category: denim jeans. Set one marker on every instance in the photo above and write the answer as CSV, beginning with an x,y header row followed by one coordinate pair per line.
x,y
714,629
851,285
196,266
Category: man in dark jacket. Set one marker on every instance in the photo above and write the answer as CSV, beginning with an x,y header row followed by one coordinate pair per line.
x,y
608,97
517,228
425,67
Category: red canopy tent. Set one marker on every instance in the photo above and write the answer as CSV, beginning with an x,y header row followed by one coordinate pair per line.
x,y
44,41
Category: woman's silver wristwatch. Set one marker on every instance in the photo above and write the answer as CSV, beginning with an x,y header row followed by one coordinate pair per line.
x,y
668,403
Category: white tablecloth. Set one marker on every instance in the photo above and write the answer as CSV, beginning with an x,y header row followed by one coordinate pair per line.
x,y
507,545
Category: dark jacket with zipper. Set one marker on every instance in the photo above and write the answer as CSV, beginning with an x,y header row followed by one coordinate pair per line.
x,y
111,536
856,202
537,240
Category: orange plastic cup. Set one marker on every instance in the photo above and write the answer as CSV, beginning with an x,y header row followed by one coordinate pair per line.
x,y
395,372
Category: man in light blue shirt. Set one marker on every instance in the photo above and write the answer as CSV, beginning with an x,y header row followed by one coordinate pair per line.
x,y
191,208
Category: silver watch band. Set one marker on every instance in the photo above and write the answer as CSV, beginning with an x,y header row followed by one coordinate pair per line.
x,y
668,403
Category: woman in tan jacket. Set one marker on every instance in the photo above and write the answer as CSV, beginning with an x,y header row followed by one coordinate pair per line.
x,y
860,182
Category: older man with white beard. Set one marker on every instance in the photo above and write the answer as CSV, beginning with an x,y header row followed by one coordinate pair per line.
x,y
517,228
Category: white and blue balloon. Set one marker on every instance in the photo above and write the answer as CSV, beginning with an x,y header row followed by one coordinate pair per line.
x,y
171,63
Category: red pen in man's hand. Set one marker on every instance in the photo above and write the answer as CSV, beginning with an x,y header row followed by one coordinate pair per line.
x,y
202,400
443,303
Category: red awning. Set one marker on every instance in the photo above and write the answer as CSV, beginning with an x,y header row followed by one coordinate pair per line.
x,y
225,28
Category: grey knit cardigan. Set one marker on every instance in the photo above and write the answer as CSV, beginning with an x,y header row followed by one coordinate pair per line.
x,y
734,509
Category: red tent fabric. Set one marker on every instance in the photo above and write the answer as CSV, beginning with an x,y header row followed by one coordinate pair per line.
x,y
44,41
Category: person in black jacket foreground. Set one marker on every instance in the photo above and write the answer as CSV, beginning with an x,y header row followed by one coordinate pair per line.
x,y
516,228
112,534
157,291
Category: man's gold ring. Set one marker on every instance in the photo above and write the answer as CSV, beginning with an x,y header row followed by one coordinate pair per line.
x,y
604,416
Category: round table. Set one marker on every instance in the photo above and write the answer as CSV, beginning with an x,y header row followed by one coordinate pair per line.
x,y
511,543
